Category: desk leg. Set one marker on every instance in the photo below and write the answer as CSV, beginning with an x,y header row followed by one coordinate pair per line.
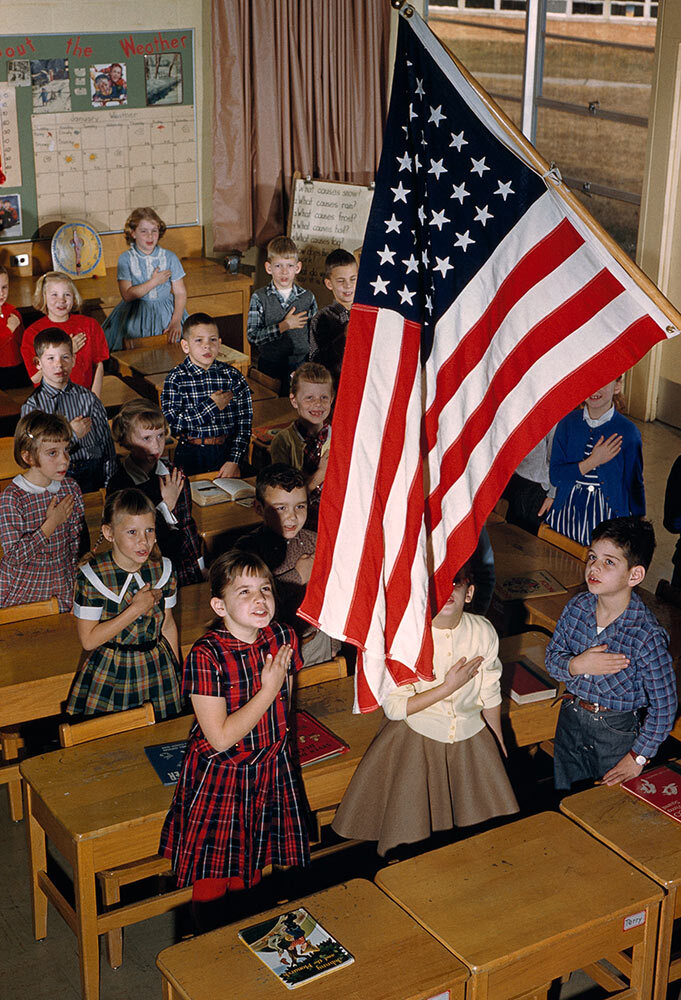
x,y
37,854
86,916
664,945
643,957
477,987
168,991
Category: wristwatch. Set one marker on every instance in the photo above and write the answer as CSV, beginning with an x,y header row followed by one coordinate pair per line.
x,y
639,758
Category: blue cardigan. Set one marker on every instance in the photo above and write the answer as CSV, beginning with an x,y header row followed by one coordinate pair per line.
x,y
621,478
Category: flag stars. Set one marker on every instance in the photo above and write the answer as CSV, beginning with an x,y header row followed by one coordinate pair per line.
x,y
392,225
482,215
459,191
412,113
479,166
429,304
436,116
420,92
458,141
425,258
400,192
504,189
380,286
417,163
404,162
387,255
406,296
437,168
443,266
421,214
411,264
439,219
463,240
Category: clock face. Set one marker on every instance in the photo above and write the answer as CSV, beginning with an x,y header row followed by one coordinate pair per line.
x,y
76,249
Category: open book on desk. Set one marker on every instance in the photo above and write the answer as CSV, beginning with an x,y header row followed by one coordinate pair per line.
x,y
206,492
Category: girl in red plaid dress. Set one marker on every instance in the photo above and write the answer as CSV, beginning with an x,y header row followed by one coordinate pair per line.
x,y
238,805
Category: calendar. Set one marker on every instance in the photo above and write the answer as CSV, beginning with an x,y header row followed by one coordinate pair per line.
x,y
9,137
100,166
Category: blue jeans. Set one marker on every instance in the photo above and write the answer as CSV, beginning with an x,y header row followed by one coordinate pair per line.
x,y
195,459
588,744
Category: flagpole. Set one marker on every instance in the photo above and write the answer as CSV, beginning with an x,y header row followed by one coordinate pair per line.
x,y
552,177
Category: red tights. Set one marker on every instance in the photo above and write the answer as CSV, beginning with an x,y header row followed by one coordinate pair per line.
x,y
207,890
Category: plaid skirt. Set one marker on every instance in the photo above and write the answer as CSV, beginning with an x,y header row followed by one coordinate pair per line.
x,y
232,818
115,677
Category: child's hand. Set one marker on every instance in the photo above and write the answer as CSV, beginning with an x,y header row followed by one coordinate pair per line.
x,y
293,320
545,507
174,331
598,660
57,513
605,450
459,674
81,426
230,470
159,277
13,323
80,340
222,398
304,567
171,487
274,672
622,771
145,599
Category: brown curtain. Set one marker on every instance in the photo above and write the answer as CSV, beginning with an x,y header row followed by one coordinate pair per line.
x,y
299,85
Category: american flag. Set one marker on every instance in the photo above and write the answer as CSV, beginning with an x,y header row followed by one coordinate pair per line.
x,y
486,309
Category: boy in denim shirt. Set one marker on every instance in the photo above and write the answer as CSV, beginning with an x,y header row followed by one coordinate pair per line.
x,y
612,654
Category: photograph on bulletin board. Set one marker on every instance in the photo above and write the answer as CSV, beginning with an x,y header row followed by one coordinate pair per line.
x,y
19,72
10,216
108,88
163,78
51,88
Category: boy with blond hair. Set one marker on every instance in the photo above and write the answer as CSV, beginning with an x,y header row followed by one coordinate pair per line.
x,y
279,314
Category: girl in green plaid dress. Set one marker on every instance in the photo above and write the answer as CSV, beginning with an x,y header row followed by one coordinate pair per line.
x,y
123,607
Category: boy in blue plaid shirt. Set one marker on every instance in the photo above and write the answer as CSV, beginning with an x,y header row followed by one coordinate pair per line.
x,y
207,404
612,654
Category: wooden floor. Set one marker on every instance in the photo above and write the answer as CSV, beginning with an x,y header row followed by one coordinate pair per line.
x,y
47,970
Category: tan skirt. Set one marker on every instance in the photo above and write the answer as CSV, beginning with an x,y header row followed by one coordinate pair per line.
x,y
408,786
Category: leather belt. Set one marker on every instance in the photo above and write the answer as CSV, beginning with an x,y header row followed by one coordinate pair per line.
x,y
199,441
588,706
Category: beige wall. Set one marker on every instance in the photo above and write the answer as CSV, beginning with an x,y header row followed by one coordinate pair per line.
x,y
57,16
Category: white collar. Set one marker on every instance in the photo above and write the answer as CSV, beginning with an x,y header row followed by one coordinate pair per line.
x,y
139,475
101,587
28,487
603,419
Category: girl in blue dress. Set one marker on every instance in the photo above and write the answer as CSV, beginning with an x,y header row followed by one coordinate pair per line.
x,y
151,283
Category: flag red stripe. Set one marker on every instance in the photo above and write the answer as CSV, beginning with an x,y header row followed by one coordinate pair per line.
x,y
350,394
370,570
364,697
554,328
398,590
538,262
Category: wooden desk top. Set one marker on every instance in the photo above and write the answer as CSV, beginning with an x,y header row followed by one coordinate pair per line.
x,y
277,410
534,722
115,392
395,959
642,835
8,467
220,518
99,788
149,360
505,893
203,277
517,551
8,407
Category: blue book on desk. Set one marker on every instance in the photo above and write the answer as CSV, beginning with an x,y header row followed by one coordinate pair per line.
x,y
166,759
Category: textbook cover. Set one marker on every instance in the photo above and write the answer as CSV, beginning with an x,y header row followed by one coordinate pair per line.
x,y
315,741
660,788
295,947
535,583
524,683
166,759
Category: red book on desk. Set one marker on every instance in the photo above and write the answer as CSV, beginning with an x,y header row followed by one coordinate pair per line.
x,y
524,683
660,788
315,741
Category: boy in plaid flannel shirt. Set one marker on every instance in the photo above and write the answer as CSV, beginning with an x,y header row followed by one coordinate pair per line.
x,y
612,654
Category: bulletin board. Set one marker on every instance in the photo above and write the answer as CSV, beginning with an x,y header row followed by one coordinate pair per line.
x,y
326,215
92,126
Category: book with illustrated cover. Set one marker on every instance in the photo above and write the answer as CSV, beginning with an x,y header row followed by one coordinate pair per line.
x,y
166,759
524,683
206,492
535,583
660,788
315,741
295,947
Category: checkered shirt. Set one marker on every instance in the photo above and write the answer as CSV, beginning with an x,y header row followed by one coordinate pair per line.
x,y
649,679
33,567
188,408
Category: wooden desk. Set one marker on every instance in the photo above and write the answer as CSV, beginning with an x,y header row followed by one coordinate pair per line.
x,y
528,902
8,467
394,958
648,840
517,551
102,805
147,360
209,289
273,411
535,722
223,521
115,393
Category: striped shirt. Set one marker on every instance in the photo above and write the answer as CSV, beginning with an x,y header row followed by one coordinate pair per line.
x,y
76,401
649,679
188,408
